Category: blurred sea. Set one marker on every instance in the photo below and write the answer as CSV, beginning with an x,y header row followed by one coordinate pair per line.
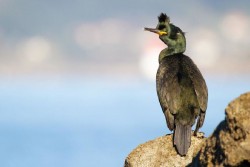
x,y
89,122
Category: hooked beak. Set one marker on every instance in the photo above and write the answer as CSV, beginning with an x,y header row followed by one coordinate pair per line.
x,y
154,30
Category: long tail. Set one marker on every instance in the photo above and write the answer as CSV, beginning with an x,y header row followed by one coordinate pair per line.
x,y
182,138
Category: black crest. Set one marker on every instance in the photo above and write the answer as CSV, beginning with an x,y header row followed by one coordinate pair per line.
x,y
163,18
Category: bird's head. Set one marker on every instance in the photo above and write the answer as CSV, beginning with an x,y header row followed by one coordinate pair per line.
x,y
163,26
171,35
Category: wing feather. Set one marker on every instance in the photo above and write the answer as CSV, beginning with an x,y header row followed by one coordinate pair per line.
x,y
198,82
168,88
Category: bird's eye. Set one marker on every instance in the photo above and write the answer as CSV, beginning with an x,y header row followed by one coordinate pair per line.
x,y
161,27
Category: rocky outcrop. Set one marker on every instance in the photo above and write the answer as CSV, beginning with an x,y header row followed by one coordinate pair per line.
x,y
229,145
161,153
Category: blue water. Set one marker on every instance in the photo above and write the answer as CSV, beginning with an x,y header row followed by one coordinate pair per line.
x,y
89,122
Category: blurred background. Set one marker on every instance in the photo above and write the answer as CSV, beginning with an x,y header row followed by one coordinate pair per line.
x,y
77,78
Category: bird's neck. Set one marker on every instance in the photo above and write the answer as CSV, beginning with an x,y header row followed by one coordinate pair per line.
x,y
164,53
177,45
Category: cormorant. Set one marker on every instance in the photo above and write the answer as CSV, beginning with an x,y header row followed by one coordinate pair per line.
x,y
181,88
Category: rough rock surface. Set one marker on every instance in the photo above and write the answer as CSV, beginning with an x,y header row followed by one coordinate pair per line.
x,y
161,153
229,145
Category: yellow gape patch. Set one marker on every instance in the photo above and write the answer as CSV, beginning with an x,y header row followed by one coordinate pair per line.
x,y
162,33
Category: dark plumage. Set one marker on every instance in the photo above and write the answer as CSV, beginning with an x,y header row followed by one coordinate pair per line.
x,y
163,18
182,93
181,89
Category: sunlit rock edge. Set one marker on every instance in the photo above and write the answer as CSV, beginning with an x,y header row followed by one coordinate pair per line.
x,y
229,145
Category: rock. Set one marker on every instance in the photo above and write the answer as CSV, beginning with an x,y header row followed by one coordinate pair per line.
x,y
161,153
229,145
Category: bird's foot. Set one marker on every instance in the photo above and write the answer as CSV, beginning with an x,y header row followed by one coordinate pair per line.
x,y
199,134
